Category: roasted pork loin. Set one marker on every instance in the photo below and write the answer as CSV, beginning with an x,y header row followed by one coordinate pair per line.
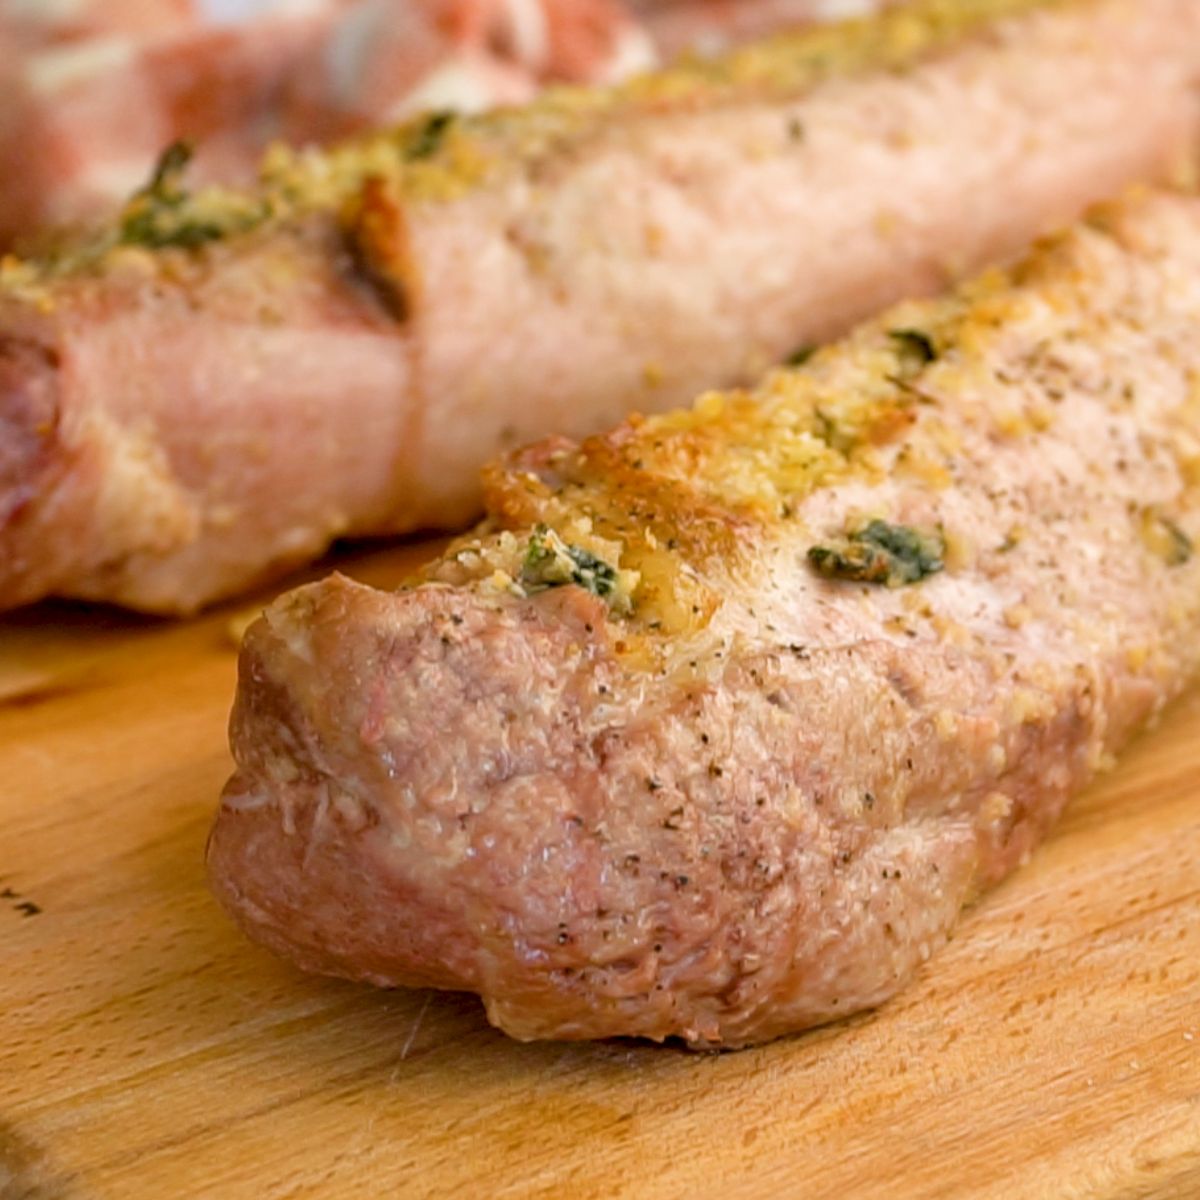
x,y
719,722
228,382
92,90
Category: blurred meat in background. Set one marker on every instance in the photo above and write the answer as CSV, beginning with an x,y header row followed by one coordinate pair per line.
x,y
91,91
712,26
384,60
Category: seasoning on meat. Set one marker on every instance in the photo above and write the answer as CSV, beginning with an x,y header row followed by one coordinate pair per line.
x,y
551,562
223,383
881,553
164,214
753,799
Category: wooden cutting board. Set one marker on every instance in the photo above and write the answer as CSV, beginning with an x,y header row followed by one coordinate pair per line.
x,y
146,1050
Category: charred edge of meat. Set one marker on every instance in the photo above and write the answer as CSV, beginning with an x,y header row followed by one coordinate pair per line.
x,y
29,419
882,553
374,238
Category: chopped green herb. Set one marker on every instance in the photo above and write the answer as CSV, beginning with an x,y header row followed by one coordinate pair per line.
x,y
1165,538
841,438
550,562
882,553
169,169
427,140
161,213
1181,544
914,344
799,357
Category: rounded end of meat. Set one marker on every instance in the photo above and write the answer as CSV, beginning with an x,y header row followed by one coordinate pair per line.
x,y
299,853
365,728
29,452
416,799
28,422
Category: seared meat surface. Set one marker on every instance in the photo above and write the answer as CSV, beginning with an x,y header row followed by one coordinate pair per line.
x,y
226,382
723,717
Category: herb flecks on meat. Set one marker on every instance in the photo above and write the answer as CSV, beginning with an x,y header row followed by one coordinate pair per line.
x,y
165,214
427,137
1164,538
881,553
799,356
551,562
915,346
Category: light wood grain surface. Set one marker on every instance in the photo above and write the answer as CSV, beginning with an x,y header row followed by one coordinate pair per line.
x,y
147,1051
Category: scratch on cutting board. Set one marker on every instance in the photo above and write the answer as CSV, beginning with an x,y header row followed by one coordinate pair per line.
x,y
22,684
412,1033
19,904
24,1174
23,687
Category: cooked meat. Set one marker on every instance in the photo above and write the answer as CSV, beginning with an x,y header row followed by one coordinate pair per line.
x,y
230,381
720,723
91,91
387,59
